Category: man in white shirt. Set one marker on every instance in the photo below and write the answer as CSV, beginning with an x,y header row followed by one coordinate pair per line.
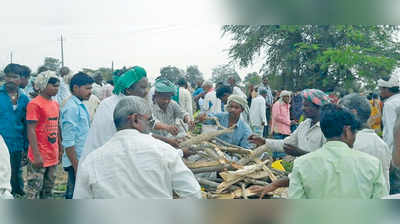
x,y
258,118
235,88
5,171
133,164
390,93
211,103
366,139
185,98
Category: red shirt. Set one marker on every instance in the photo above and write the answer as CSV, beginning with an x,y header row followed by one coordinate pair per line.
x,y
46,113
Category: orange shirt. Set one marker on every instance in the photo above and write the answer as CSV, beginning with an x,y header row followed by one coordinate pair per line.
x,y
46,113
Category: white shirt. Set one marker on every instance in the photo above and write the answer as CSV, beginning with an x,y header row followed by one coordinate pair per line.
x,y
91,105
135,165
237,91
5,171
211,99
257,111
389,116
306,137
367,141
185,101
102,128
97,90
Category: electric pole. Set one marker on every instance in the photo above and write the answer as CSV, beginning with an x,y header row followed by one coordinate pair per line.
x,y
11,56
112,66
62,51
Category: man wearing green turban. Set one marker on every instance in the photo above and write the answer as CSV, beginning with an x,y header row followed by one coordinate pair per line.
x,y
167,111
132,82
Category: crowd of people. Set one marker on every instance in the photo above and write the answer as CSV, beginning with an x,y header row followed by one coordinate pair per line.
x,y
121,138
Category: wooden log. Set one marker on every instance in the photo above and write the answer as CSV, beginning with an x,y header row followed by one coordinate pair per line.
x,y
254,154
219,168
201,164
205,137
256,182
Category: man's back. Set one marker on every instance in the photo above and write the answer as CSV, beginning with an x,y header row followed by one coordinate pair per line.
x,y
337,172
135,165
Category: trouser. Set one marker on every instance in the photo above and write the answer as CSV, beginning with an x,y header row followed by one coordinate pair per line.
x,y
40,181
277,155
394,179
17,182
71,182
266,131
258,130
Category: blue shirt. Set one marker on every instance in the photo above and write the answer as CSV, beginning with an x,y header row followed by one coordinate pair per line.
x,y
197,91
75,123
239,136
13,122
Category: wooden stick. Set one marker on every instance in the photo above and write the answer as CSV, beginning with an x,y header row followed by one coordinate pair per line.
x,y
201,164
254,155
205,137
218,168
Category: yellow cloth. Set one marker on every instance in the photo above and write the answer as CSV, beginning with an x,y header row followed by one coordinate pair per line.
x,y
376,116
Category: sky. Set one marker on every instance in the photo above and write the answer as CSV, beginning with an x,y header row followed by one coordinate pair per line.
x,y
96,32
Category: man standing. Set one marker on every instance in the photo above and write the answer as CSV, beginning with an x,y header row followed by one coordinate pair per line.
x,y
390,93
281,116
236,90
211,103
63,90
336,171
133,164
98,86
13,105
269,100
257,112
185,98
366,139
165,110
75,122
43,133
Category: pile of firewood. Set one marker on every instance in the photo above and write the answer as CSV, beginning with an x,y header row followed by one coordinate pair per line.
x,y
226,171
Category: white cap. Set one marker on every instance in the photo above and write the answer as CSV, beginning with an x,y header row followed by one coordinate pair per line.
x,y
285,93
394,81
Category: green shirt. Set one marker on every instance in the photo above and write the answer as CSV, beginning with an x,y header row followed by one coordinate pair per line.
x,y
337,172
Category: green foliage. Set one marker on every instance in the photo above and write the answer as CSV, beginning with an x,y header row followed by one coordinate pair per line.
x,y
193,74
221,73
172,73
317,56
252,79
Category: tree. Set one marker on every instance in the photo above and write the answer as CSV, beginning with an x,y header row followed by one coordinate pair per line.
x,y
317,56
105,72
52,64
172,73
221,73
252,79
193,74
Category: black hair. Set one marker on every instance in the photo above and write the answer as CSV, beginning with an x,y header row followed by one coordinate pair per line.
x,y
394,89
334,118
80,79
25,71
369,96
53,80
221,91
182,82
13,68
374,96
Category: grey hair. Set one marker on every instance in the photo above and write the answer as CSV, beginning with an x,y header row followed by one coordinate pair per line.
x,y
262,90
208,83
359,103
127,106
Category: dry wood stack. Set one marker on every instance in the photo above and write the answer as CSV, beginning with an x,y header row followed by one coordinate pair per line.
x,y
227,171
